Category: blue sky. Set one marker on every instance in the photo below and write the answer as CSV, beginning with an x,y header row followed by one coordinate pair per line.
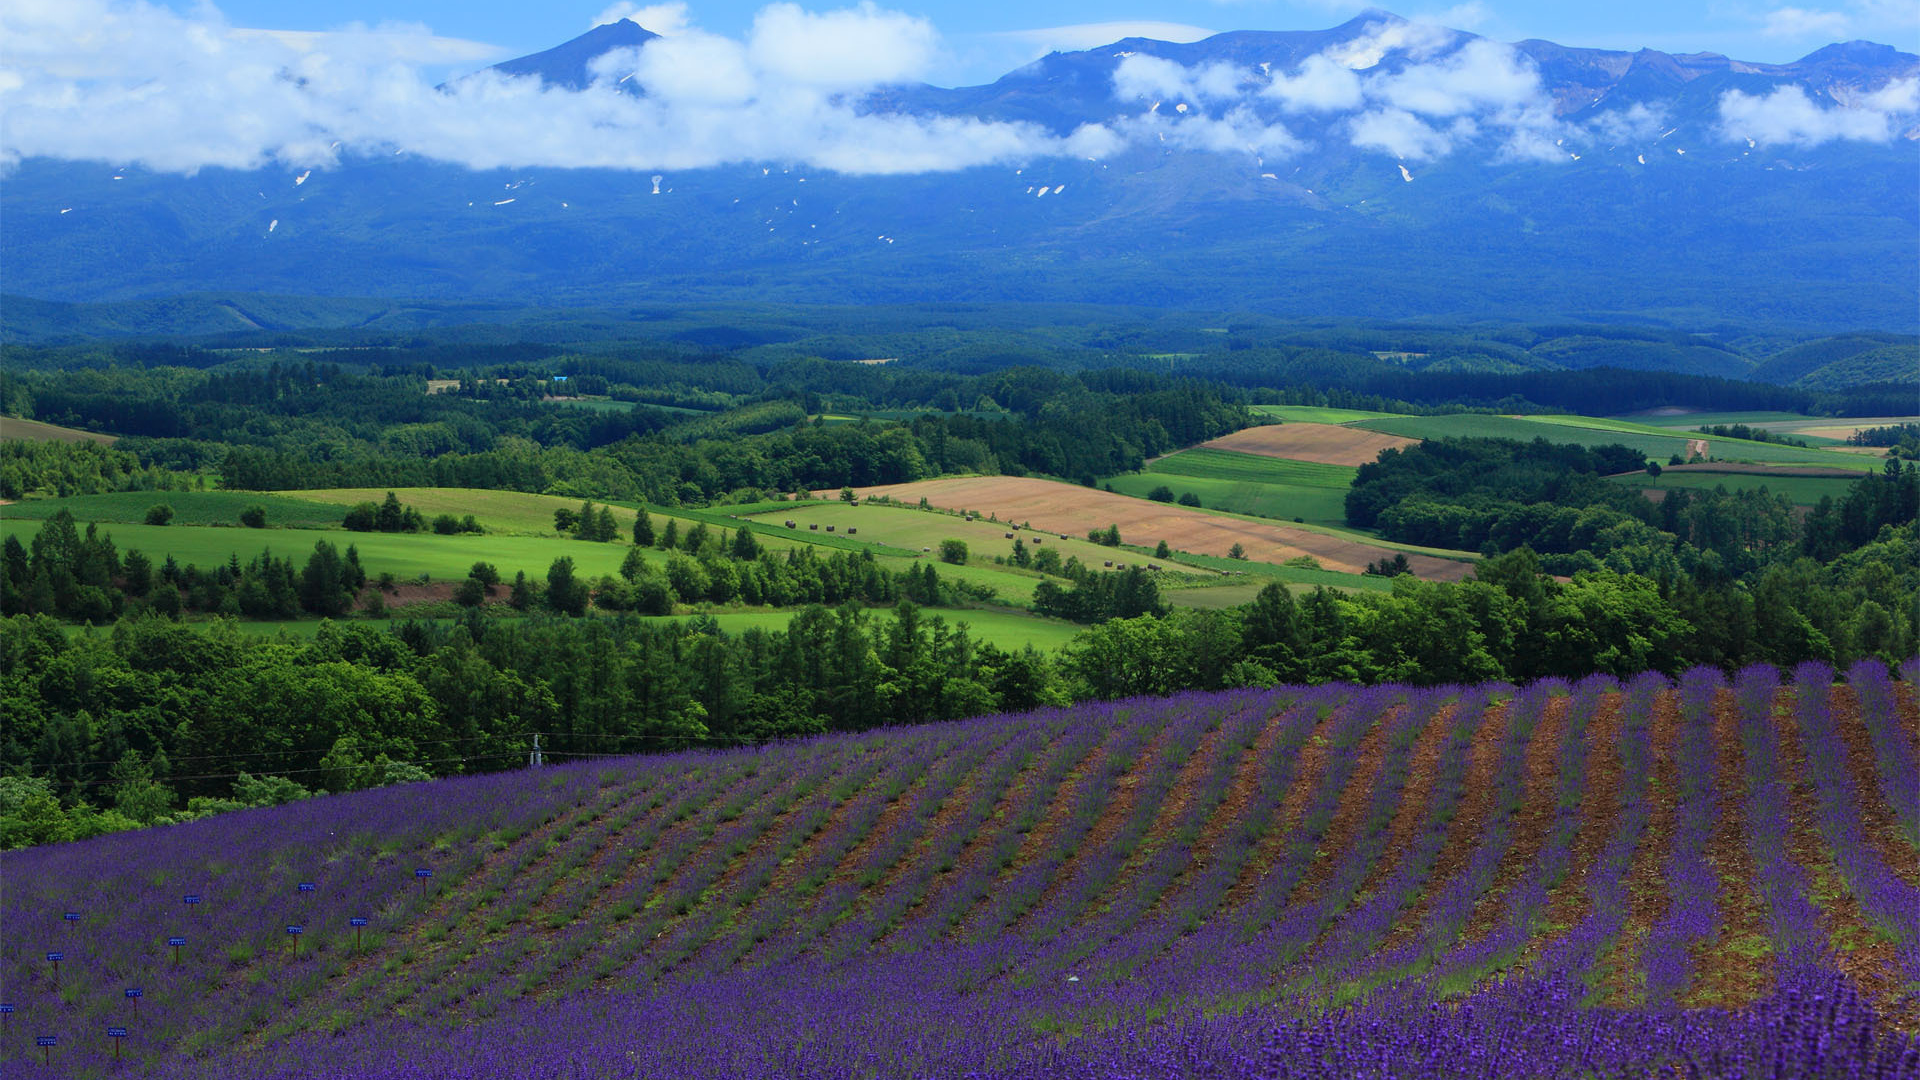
x,y
981,40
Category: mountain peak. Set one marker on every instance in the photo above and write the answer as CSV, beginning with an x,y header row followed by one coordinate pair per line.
x,y
570,64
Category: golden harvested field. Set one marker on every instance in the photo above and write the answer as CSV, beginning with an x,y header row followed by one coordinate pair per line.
x,y
1070,509
1328,444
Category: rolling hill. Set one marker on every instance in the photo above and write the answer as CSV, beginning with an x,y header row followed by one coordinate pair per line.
x,y
1617,879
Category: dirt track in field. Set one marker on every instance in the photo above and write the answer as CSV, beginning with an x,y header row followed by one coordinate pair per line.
x,y
1074,511
1327,444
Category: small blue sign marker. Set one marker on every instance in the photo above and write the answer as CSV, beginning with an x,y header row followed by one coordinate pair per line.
x,y
308,886
133,995
359,924
356,921
116,1034
174,943
71,916
294,930
191,899
46,1043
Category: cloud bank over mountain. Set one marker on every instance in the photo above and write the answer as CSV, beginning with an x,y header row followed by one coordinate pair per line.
x,y
127,82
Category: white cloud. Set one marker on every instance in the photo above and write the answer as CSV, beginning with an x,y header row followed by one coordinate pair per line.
x,y
125,81
697,67
1152,78
1479,75
1636,124
1321,85
1788,116
859,46
1418,40
1796,24
663,19
1405,135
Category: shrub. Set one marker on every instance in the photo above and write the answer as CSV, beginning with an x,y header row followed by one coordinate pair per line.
x,y
159,514
1163,493
254,517
953,551
1188,498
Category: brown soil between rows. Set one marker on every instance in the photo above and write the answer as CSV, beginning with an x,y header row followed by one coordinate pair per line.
x,y
1075,510
1463,832
1310,765
1620,978
1113,813
1325,444
1531,822
1350,813
1877,822
1867,959
1600,817
1167,817
1726,972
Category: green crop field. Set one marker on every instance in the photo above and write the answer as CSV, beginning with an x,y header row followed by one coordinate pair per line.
x,y
1282,502
1213,464
1314,414
1249,484
497,511
1586,431
905,530
1800,490
189,508
405,555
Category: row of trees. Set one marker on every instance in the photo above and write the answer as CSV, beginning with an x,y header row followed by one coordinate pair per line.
x,y
113,720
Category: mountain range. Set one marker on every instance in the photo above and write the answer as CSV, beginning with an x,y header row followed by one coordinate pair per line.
x,y
1378,169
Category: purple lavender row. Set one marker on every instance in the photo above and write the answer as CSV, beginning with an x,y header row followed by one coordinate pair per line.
x,y
1095,871
879,1023
1893,752
1009,900
1524,907
984,744
1793,921
1692,919
913,909
1277,883
1453,903
1194,933
1347,955
1576,953
1098,915
1888,901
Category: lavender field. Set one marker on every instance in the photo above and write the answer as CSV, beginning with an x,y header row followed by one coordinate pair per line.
x,y
1704,877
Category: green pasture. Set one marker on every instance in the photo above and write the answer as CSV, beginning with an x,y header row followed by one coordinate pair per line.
x,y
497,511
1208,463
1314,414
1800,490
1588,431
903,529
189,508
1282,502
1005,629
1627,424
405,555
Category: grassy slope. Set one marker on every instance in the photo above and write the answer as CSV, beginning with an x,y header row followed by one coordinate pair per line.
x,y
1314,414
12,427
1655,443
1802,490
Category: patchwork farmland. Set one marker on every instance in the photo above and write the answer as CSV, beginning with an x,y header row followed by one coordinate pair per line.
x,y
1654,878
1072,510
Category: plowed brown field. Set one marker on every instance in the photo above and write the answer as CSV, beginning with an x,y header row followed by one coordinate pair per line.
x,y
1328,444
1074,510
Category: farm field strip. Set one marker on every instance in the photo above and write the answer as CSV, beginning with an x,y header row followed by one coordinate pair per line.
x,y
1083,867
1657,443
1316,414
1213,464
